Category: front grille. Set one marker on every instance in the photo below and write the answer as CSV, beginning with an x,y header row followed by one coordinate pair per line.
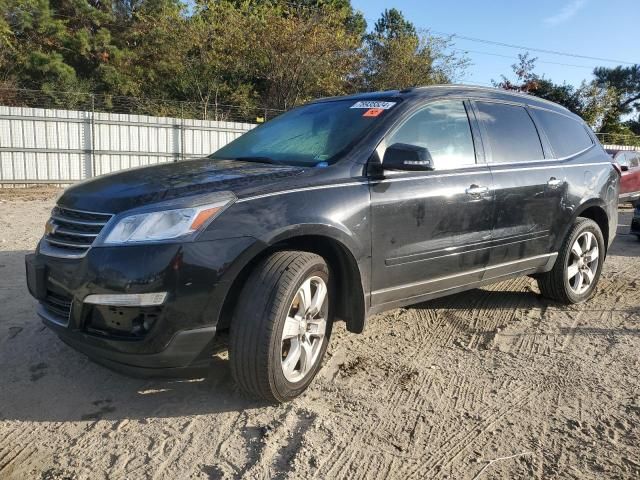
x,y
59,306
70,233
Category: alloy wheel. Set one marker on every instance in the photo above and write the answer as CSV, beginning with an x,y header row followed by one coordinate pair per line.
x,y
304,329
583,263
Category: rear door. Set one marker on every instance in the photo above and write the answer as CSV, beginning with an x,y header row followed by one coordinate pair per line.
x,y
528,185
431,229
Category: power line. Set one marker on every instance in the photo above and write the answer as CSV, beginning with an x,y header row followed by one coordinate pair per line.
x,y
462,50
532,49
519,47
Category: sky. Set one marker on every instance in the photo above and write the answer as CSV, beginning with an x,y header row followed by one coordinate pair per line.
x,y
592,28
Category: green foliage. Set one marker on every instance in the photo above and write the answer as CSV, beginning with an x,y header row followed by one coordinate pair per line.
x,y
211,53
398,56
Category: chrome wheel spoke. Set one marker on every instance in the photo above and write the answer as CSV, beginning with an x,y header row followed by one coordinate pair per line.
x,y
291,361
576,249
306,359
291,328
305,296
318,299
572,270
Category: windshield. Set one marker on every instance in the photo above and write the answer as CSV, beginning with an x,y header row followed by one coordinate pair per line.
x,y
311,135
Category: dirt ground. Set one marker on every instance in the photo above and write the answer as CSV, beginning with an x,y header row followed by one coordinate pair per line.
x,y
492,383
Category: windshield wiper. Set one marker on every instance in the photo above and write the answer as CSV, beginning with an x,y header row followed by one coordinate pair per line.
x,y
257,160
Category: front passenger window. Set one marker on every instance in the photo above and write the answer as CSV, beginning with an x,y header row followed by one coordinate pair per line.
x,y
443,128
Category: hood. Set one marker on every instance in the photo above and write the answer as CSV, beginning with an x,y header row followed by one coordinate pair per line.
x,y
128,189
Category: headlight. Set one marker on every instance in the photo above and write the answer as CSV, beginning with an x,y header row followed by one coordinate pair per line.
x,y
166,224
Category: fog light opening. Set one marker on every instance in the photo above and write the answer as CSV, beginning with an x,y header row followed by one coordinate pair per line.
x,y
128,299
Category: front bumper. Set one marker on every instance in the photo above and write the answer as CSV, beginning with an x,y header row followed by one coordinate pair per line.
x,y
173,337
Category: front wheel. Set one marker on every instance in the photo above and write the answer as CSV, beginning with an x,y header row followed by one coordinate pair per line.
x,y
575,274
281,326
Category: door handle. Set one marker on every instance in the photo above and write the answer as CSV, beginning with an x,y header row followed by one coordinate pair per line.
x,y
476,190
554,182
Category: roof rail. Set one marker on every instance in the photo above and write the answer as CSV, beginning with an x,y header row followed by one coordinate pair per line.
x,y
488,89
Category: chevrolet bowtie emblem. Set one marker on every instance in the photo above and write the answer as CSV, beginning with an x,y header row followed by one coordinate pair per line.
x,y
50,228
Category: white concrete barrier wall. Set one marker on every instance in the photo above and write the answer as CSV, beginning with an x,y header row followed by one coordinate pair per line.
x,y
64,146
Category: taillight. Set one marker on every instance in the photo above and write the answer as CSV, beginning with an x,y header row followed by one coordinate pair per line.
x,y
618,168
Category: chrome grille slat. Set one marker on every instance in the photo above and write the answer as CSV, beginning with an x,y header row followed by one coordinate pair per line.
x,y
77,222
74,231
64,231
67,244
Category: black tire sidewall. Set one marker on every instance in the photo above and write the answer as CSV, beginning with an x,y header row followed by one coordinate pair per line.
x,y
592,227
283,388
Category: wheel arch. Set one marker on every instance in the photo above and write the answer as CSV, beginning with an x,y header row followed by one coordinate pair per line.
x,y
595,210
340,258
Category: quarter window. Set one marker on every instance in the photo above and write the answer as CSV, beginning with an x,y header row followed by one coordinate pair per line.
x,y
511,133
443,128
566,135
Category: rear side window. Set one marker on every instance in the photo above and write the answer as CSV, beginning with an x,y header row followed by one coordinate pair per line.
x,y
634,160
443,128
567,136
511,133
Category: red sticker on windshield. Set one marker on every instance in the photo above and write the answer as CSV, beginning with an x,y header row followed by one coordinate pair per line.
x,y
373,112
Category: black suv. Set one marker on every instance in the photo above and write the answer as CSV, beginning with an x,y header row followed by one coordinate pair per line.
x,y
333,211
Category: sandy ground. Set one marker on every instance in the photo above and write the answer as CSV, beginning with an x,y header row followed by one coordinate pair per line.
x,y
492,383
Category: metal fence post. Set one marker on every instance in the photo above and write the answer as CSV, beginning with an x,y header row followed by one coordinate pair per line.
x,y
92,145
181,155
88,138
182,133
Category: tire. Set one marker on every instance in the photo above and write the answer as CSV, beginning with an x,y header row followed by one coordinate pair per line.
x,y
556,284
262,362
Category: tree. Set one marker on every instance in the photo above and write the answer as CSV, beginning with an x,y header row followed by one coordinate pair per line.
x,y
210,53
590,101
58,44
397,56
624,83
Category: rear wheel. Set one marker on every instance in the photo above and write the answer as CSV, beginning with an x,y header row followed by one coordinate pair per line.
x,y
576,272
281,326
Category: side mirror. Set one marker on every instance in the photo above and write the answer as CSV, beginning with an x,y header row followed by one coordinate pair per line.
x,y
624,168
402,156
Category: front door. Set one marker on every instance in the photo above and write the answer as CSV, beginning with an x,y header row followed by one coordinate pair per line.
x,y
431,230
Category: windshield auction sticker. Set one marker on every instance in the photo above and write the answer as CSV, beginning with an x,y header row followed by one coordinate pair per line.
x,y
373,104
372,112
